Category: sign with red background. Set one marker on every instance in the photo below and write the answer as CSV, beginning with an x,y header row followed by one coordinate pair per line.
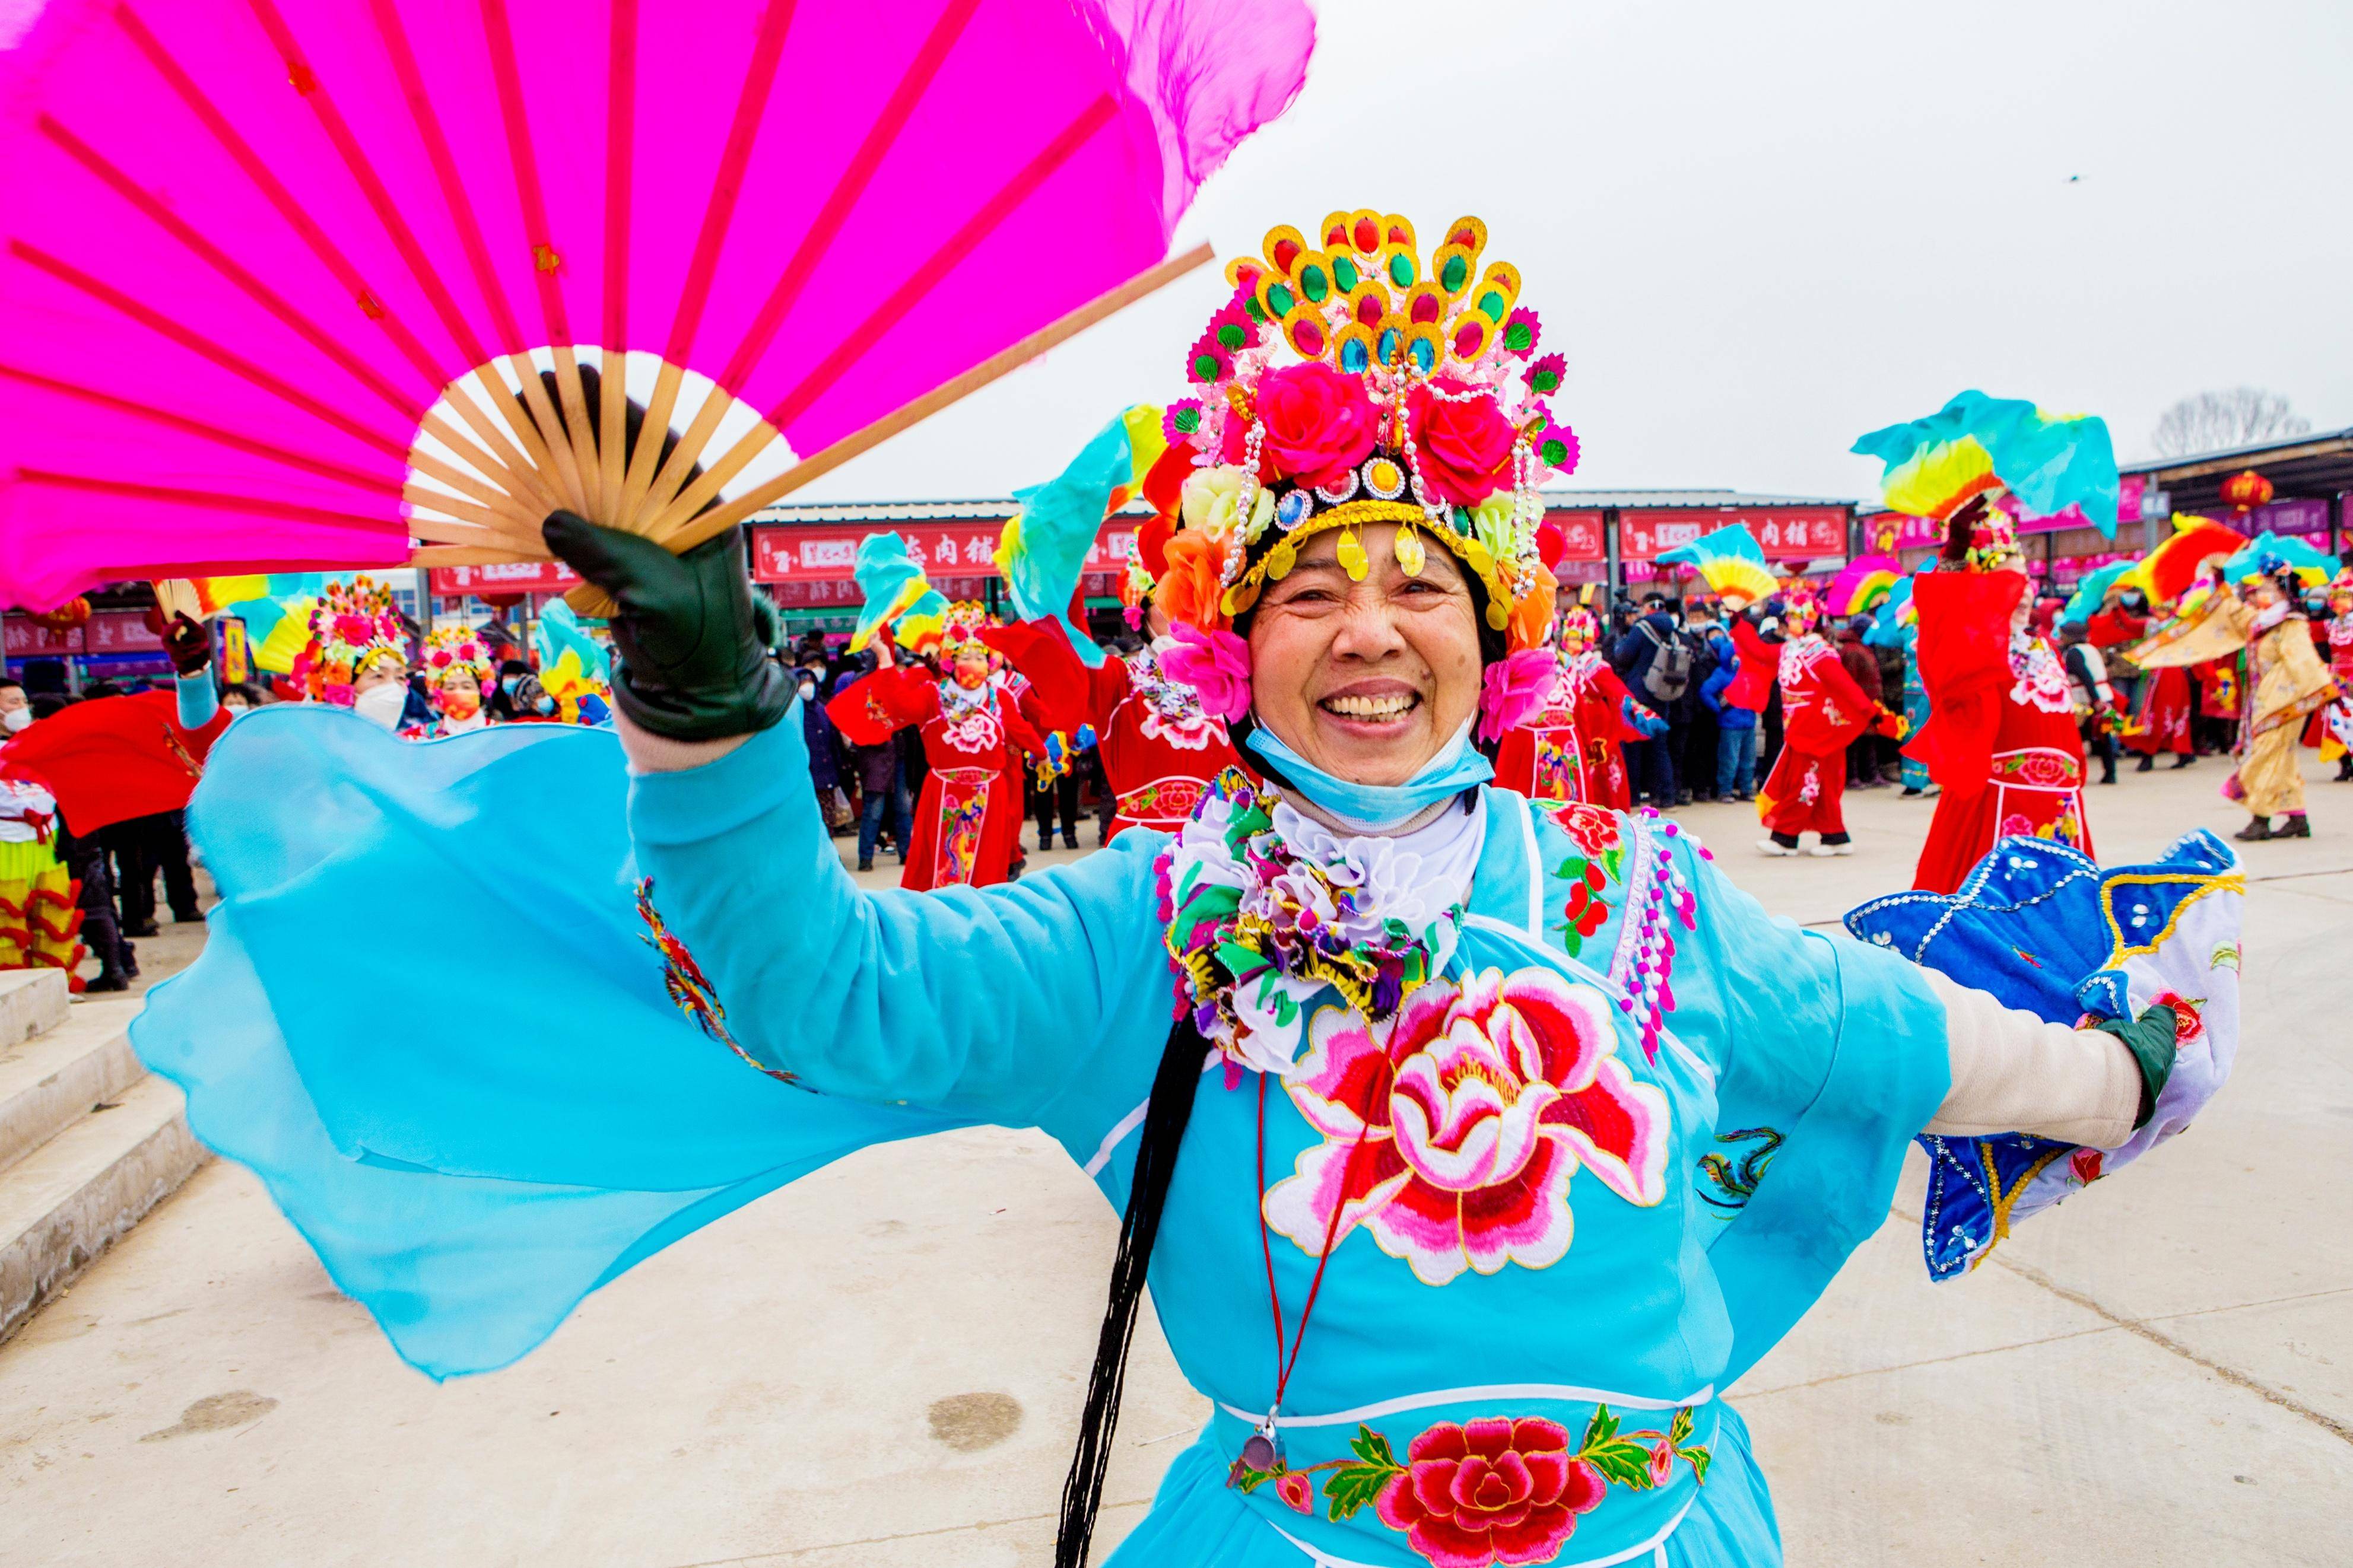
x,y
1581,533
945,551
505,577
107,631
1786,532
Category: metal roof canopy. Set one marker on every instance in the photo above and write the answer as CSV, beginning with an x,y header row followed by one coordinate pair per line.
x,y
2310,466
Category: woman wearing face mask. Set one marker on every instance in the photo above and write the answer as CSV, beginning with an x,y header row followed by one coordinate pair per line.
x,y
968,819
15,707
1418,1173
457,669
358,654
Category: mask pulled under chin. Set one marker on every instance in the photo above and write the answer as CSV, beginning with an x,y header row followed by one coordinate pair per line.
x,y
382,705
1457,767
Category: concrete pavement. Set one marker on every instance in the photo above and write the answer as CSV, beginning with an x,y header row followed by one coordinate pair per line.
x,y
880,1365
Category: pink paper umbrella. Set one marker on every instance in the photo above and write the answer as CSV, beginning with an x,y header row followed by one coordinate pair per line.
x,y
297,283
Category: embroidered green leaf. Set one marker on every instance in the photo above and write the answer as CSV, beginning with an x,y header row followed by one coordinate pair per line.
x,y
1614,863
1700,1460
1248,1479
1601,1429
1572,867
1621,1461
1572,940
1679,1428
1373,1448
1285,1009
1348,1489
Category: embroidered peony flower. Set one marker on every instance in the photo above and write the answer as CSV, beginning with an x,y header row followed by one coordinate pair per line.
x,y
1319,424
1592,828
1663,1462
1212,503
1465,447
1490,1491
1474,1106
1513,690
1191,590
1297,1492
1215,664
2188,1024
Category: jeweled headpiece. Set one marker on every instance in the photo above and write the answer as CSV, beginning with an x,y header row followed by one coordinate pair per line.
x,y
450,650
961,628
352,626
1350,383
1801,612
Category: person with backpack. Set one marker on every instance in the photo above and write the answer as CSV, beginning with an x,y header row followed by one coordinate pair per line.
x,y
1655,663
1696,729
1735,726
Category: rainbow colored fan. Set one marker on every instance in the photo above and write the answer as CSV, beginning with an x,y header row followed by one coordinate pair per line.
x,y
1730,562
1977,445
292,287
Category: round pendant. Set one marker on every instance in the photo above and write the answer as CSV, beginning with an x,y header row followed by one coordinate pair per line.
x,y
1258,1452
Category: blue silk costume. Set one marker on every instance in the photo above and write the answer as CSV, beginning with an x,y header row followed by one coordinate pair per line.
x,y
470,1185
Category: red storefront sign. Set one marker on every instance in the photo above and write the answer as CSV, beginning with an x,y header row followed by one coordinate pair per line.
x,y
504,577
1581,532
108,631
824,552
1786,532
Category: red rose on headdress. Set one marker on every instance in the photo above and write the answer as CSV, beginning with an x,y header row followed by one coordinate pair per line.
x,y
1319,422
1465,447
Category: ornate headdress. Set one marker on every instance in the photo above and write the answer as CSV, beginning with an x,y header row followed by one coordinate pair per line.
x,y
450,650
352,626
1411,395
1801,612
1580,625
1978,446
2340,586
961,628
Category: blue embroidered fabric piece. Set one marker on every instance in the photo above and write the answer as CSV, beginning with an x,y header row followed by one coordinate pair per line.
x,y
2043,927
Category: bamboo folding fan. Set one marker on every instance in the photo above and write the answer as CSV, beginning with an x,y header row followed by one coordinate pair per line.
x,y
342,283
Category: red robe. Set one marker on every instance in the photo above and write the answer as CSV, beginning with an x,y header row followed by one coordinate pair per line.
x,y
1569,749
114,758
1822,713
969,819
1158,749
2161,713
2001,738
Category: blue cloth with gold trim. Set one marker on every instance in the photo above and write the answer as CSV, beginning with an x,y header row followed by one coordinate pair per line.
x,y
2045,929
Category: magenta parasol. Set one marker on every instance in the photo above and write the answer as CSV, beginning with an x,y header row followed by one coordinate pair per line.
x,y
296,283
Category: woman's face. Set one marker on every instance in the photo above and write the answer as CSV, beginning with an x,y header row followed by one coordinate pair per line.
x,y
2264,594
234,703
1367,681
971,668
461,693
380,671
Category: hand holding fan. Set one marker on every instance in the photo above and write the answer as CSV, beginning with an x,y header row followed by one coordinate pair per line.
x,y
290,287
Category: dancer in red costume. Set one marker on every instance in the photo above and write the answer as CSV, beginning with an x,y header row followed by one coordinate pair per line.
x,y
2001,736
2337,717
1824,711
1569,749
968,822
2160,720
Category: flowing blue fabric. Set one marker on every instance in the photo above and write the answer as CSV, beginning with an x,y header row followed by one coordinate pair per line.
x,y
2043,928
470,1197
1057,525
2051,461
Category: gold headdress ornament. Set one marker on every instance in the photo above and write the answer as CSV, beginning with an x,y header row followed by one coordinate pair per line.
x,y
1411,395
352,626
450,650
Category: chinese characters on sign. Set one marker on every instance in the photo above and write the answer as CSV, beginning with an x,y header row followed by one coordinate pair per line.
x,y
945,551
1785,532
505,577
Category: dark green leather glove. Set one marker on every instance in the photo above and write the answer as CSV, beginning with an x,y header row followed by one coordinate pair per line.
x,y
2149,1038
692,636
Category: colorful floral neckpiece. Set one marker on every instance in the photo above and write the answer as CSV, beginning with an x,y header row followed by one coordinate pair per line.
x,y
1172,709
1260,917
2042,681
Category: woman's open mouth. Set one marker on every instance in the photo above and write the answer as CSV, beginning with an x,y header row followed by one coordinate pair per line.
x,y
1381,707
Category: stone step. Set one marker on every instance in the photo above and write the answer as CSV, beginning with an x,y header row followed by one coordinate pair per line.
x,y
32,1001
50,1081
73,1198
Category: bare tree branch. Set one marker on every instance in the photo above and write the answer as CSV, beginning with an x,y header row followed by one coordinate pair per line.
x,y
2217,421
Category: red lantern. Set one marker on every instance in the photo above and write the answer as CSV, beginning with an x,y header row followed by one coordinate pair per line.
x,y
2246,491
74,612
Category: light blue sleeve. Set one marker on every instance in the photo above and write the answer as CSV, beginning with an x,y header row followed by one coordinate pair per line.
x,y
981,1003
1831,1055
198,701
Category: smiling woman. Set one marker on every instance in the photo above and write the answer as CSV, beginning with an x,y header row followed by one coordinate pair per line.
x,y
1366,678
1425,1176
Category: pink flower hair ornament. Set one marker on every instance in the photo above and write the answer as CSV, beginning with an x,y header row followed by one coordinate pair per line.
x,y
1215,664
1513,689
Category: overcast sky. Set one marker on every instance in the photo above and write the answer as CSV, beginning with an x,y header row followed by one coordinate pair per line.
x,y
1758,230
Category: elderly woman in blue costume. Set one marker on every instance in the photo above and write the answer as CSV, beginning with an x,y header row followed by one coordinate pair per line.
x,y
1426,1174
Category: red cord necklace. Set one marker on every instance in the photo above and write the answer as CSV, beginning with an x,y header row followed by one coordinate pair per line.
x,y
1263,1451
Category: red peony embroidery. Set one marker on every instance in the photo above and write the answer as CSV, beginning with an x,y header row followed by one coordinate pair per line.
x,y
1593,829
1452,1132
1490,1491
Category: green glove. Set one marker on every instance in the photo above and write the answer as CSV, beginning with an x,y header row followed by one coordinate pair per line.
x,y
2149,1038
692,636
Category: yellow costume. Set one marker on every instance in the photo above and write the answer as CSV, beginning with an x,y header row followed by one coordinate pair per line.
x,y
2285,678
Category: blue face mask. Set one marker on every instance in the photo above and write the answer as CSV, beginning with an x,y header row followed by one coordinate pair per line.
x,y
1457,766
